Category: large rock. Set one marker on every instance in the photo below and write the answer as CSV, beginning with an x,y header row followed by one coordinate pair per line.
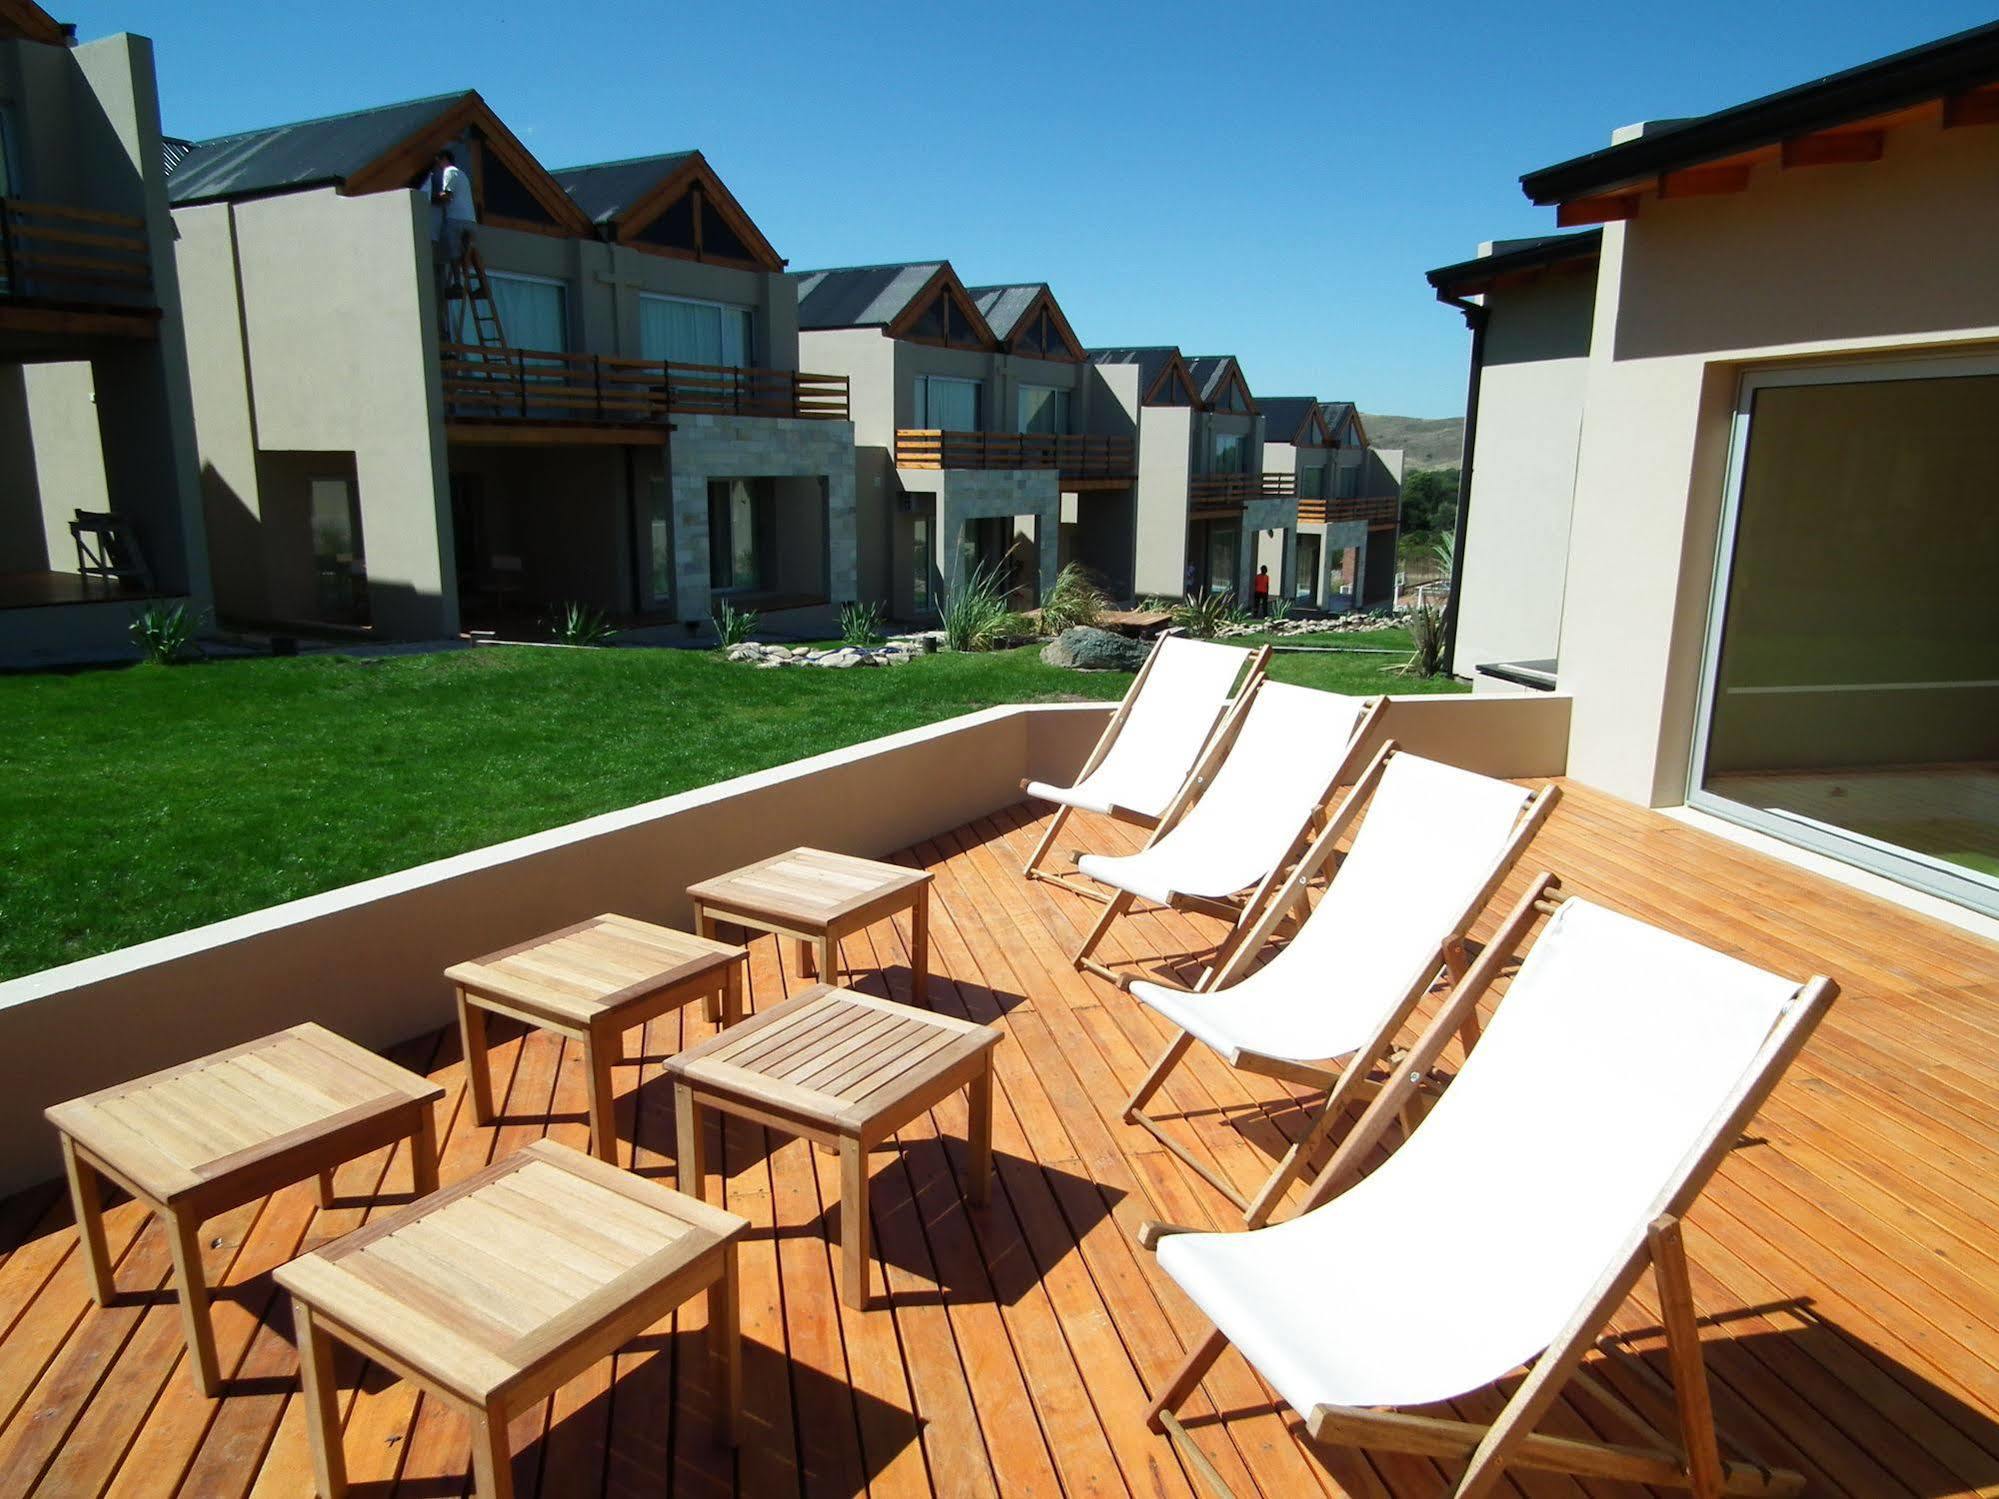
x,y
1086,649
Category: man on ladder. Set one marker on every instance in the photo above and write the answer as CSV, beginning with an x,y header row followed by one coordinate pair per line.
x,y
452,217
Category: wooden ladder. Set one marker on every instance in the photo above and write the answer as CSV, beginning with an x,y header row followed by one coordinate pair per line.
x,y
474,293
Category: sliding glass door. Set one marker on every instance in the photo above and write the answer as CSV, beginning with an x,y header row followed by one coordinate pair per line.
x,y
1851,693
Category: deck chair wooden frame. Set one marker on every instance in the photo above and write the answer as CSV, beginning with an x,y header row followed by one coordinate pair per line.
x,y
1693,1459
1258,667
1353,1080
1239,912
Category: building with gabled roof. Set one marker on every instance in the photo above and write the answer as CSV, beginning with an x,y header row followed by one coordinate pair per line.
x,y
984,439
609,412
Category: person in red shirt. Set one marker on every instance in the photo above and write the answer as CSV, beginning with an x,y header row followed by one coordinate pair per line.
x,y
1260,605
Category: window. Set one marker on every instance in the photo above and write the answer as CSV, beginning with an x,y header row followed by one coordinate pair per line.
x,y
919,581
739,533
943,321
1231,398
684,331
534,311
1312,483
1851,689
944,404
659,544
1227,453
340,570
1044,408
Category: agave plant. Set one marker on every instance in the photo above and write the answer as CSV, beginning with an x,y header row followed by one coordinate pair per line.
x,y
1076,599
1205,615
579,624
1278,610
733,626
163,631
860,624
1425,623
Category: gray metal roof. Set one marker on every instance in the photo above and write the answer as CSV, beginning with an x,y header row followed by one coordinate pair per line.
x,y
605,189
1211,372
1284,416
1336,414
1150,359
860,296
1003,306
309,153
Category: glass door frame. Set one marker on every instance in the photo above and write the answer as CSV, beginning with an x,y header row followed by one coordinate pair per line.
x,y
1902,865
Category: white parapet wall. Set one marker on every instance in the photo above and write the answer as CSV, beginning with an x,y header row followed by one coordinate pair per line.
x,y
367,960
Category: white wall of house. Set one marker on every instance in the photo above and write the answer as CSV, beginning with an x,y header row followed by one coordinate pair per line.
x,y
1807,264
1530,415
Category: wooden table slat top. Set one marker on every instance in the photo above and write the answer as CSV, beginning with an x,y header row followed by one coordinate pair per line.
x,y
473,1285
834,1053
175,1130
595,966
807,885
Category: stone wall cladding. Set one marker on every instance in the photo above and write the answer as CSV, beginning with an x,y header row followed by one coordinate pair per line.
x,y
977,494
758,447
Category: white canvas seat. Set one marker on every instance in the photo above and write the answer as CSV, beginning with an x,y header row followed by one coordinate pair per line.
x,y
1618,1070
1173,711
1433,844
1248,816
1140,768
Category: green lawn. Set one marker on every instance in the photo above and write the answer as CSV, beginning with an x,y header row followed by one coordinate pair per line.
x,y
140,802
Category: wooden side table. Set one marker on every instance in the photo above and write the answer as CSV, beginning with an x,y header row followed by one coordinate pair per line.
x,y
592,982
845,1070
817,898
212,1134
498,1289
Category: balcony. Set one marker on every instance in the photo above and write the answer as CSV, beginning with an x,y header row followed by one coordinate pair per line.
x,y
1217,494
1844,1273
74,270
1376,510
502,386
1082,457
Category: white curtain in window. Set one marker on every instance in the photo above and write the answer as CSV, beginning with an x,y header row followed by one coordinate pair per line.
x,y
533,314
684,332
1044,408
947,405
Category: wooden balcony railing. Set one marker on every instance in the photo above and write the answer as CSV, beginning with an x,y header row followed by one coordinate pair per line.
x,y
1209,491
1374,510
1072,455
533,385
73,254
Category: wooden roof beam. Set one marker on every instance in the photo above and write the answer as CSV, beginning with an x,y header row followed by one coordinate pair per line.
x,y
1606,208
1706,181
1979,107
1834,148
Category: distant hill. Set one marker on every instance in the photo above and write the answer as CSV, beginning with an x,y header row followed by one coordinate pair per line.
x,y
1426,441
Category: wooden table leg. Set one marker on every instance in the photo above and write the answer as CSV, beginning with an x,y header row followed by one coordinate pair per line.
x,y
423,1152
687,1143
853,1222
829,958
322,1403
86,1196
807,968
600,1050
184,1235
979,1134
725,1342
492,1459
711,1005
478,1070
919,948
326,1188
732,994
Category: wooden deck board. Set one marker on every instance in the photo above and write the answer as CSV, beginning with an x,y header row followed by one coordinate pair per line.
x,y
1844,1259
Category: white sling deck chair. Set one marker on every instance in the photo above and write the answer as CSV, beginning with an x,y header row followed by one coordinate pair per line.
x,y
1620,1068
1150,746
1244,815
1434,844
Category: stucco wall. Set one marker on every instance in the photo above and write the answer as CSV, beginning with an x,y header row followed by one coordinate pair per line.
x,y
1530,415
1811,263
1165,442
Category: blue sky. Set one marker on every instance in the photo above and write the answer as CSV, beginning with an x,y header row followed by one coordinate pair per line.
x,y
1264,180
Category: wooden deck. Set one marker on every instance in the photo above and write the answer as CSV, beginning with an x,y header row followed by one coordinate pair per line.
x,y
1845,1259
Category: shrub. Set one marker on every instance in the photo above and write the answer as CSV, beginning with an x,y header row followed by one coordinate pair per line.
x,y
1076,599
163,631
1425,623
1279,609
975,612
860,624
733,626
579,624
1204,615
